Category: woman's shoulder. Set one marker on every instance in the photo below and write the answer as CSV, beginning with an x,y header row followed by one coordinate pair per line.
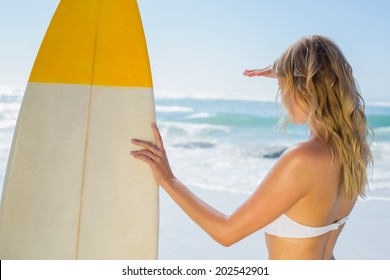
x,y
295,173
308,157
307,151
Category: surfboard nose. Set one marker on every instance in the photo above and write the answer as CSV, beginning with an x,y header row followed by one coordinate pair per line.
x,y
94,42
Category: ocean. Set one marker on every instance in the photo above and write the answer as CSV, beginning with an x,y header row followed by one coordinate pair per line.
x,y
224,145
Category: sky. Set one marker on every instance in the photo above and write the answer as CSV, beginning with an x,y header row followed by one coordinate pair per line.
x,y
199,47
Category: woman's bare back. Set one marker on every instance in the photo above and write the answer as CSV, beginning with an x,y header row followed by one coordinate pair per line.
x,y
323,205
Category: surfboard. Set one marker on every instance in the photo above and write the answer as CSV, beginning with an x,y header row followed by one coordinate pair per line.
x,y
71,190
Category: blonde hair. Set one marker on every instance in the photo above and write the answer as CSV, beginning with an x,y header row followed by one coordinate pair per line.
x,y
316,72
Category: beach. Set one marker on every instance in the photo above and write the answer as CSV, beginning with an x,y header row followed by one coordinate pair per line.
x,y
221,149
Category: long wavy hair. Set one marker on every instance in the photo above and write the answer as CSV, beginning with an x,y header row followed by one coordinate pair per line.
x,y
315,72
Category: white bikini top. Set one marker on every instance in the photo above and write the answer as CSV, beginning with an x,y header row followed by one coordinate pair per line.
x,y
286,227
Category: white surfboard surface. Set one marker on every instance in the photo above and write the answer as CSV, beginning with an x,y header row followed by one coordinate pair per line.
x,y
72,191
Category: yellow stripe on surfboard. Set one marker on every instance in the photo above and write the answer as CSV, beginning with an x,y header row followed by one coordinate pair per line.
x,y
120,61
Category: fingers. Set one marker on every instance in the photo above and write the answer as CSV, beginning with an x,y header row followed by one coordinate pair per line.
x,y
146,156
257,72
154,156
264,72
158,147
151,151
250,73
147,145
157,137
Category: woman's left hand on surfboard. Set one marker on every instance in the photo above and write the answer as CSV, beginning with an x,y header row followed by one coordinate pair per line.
x,y
155,156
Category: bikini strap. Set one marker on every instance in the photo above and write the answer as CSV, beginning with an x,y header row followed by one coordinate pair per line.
x,y
337,224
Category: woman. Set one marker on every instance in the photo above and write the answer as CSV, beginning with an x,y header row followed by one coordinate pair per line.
x,y
305,199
